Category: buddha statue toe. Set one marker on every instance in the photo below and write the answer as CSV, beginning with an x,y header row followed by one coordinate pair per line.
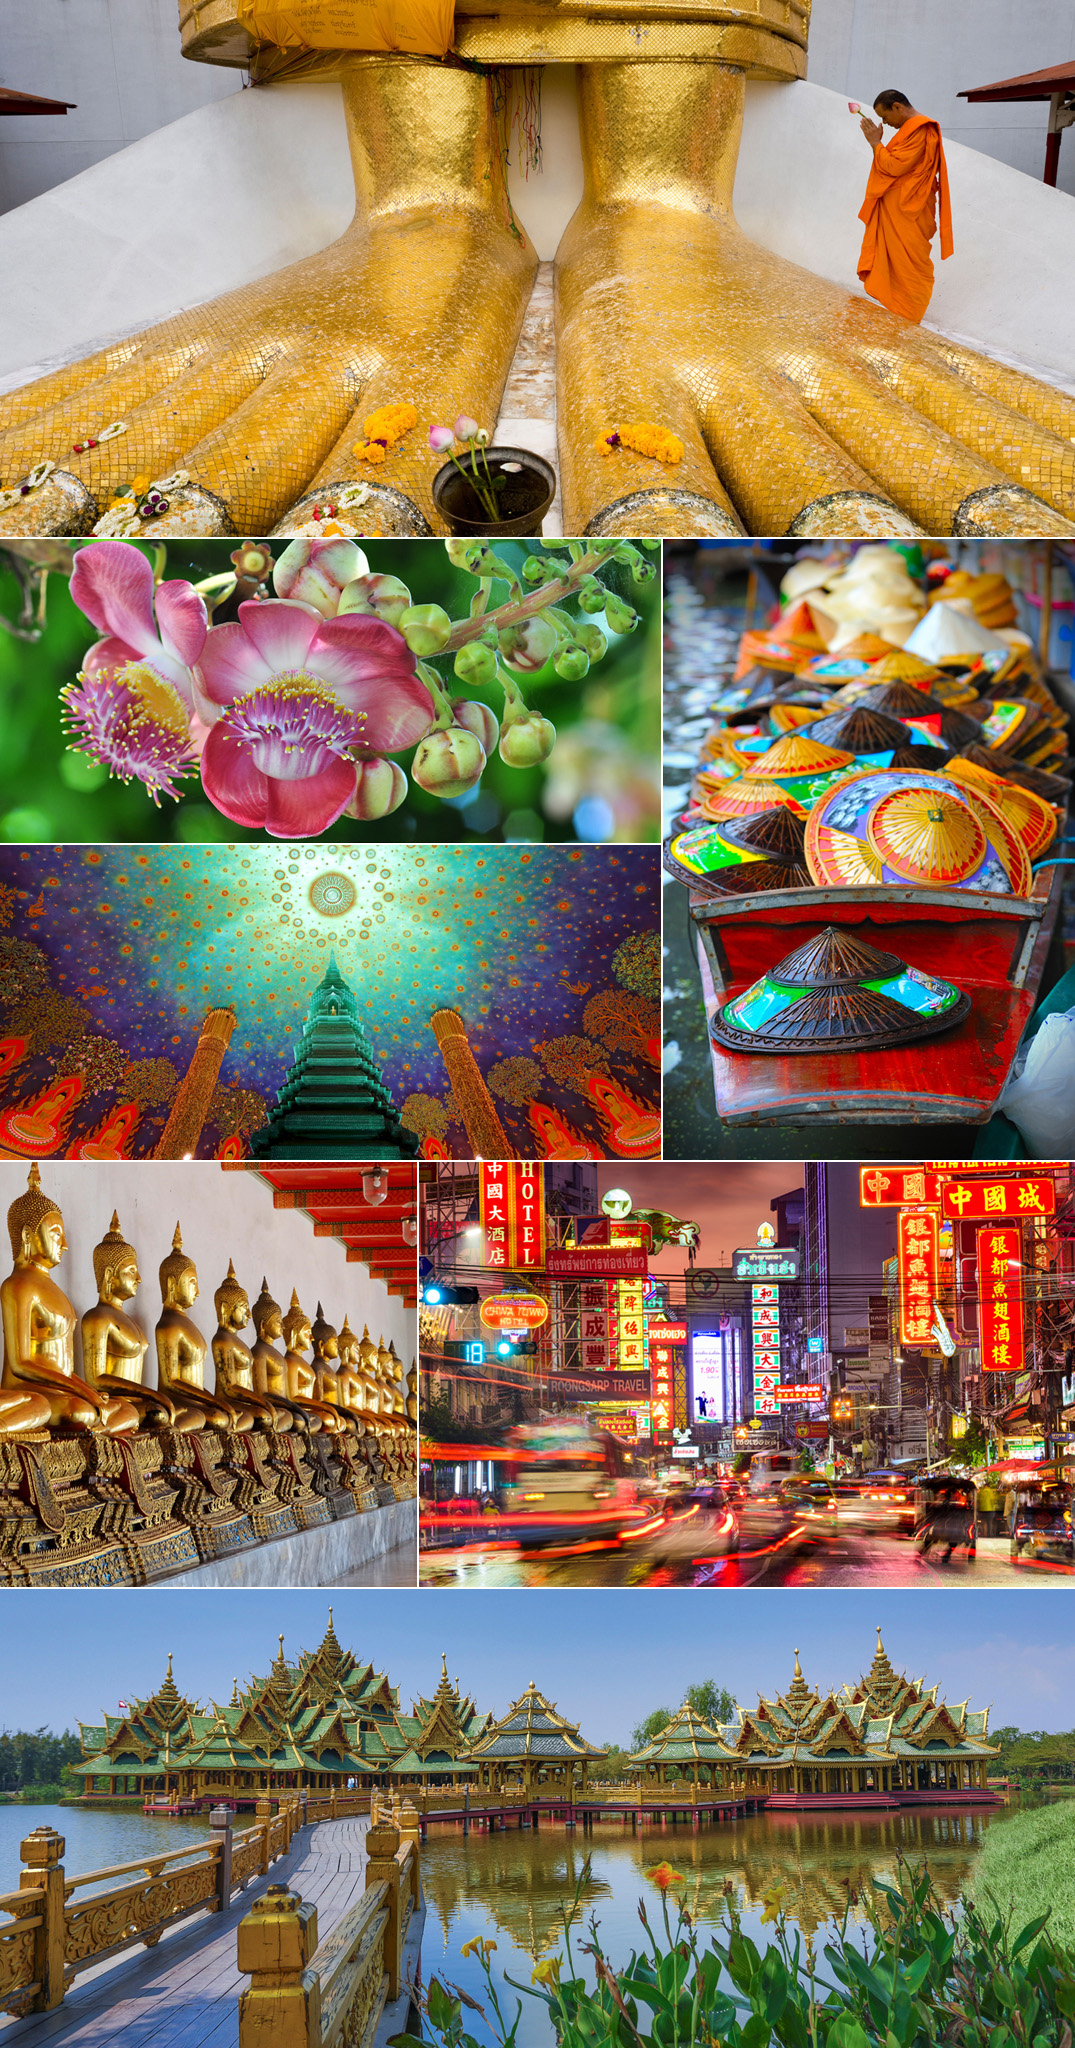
x,y
256,399
801,409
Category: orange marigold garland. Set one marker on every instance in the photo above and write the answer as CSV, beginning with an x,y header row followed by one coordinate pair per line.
x,y
645,439
383,429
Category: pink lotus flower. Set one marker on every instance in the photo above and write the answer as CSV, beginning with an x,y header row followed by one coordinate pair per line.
x,y
133,711
291,700
441,439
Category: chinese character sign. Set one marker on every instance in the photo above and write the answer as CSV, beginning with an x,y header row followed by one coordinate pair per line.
x,y
1000,1299
985,1200
917,1242
765,1318
894,1187
511,1195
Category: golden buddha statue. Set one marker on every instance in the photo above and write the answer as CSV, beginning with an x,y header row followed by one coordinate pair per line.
x,y
326,1345
40,1385
389,1364
301,1375
800,407
181,1348
270,1365
113,1347
352,1380
233,1359
367,1359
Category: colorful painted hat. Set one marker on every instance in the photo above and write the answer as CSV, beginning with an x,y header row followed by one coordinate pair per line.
x,y
838,994
859,730
1056,789
900,699
1028,814
760,856
745,793
912,844
800,754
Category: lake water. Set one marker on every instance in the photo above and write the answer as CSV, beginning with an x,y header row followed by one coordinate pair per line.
x,y
508,1887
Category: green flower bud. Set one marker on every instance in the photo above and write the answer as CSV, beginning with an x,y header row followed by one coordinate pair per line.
x,y
528,645
643,572
468,554
572,663
385,596
528,741
381,789
477,717
449,761
536,570
591,595
622,618
426,628
593,640
476,664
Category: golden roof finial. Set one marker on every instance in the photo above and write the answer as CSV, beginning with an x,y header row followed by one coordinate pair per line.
x,y
169,1673
798,1667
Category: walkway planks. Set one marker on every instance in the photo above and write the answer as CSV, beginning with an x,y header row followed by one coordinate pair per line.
x,y
185,1992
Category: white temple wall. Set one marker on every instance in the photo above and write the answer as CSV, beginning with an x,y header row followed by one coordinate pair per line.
x,y
119,61
235,189
222,1216
935,49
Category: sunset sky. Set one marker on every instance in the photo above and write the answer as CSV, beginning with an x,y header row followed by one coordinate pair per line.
x,y
727,1200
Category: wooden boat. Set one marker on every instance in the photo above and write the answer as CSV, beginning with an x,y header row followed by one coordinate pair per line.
x,y
993,947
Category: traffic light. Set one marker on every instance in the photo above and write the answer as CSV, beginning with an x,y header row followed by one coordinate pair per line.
x,y
516,1347
843,1408
438,1294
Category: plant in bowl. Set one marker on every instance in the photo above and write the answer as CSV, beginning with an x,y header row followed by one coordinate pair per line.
x,y
489,490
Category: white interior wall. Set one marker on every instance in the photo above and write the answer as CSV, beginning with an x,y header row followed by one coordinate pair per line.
x,y
934,49
222,1216
119,61
153,228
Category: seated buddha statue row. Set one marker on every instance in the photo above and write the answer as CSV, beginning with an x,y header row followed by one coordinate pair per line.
x,y
350,1382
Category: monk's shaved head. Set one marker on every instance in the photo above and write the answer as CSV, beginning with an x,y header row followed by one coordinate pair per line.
x,y
891,98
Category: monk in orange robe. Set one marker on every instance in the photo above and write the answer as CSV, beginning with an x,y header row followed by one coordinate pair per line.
x,y
908,179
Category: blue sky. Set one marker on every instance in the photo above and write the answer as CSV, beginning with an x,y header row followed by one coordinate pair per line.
x,y
605,1656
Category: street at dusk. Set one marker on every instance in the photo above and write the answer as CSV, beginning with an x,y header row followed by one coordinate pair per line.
x,y
827,1374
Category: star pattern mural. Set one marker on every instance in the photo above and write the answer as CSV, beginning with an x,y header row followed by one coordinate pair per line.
x,y
111,959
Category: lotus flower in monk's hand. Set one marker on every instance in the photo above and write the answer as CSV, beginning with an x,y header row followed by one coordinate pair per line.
x,y
291,700
133,709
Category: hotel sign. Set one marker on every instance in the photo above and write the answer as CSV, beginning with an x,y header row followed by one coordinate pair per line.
x,y
511,1199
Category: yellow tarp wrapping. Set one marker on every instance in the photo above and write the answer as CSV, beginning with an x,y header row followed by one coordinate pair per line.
x,y
422,27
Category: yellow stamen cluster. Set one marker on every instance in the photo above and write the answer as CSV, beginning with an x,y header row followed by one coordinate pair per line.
x,y
383,429
160,703
645,439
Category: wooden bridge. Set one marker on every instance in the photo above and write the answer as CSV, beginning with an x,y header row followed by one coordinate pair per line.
x,y
326,1947
671,1803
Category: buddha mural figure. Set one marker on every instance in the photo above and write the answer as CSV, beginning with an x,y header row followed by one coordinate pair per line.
x,y
181,1348
40,1386
233,1359
113,1347
270,1365
301,1375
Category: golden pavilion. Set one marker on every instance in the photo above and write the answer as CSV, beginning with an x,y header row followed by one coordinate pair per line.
x,y
885,1741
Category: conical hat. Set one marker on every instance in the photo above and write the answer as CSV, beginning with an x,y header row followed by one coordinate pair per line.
x,y
798,755
919,754
837,994
900,667
1028,814
947,631
900,699
777,833
742,795
865,647
927,836
1056,789
787,716
859,730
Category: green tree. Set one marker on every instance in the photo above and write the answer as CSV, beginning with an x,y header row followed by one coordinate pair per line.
x,y
712,1701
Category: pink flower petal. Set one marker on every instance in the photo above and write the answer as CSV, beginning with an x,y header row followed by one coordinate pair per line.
x,y
367,664
281,630
110,653
229,664
183,621
113,584
231,782
298,810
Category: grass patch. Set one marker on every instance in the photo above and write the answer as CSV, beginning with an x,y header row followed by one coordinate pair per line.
x,y
1027,1862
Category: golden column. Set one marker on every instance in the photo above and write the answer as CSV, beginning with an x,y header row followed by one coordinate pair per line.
x,y
485,1133
191,1106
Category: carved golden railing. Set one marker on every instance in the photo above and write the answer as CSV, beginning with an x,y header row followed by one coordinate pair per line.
x,y
332,1995
49,1936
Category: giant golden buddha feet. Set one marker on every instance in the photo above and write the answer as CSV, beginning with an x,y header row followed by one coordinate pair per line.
x,y
802,409
258,397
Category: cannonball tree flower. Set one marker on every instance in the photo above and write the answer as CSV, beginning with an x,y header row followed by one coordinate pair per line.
x,y
292,700
133,707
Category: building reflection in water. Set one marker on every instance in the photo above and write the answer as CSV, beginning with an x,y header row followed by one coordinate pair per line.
x,y
515,1882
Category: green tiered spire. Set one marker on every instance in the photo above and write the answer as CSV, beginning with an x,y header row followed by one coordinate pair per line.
x,y
334,1104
